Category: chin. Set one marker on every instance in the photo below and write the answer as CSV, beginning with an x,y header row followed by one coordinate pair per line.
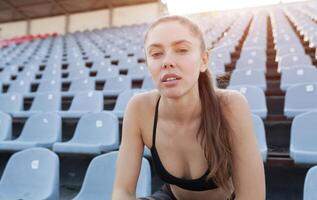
x,y
171,93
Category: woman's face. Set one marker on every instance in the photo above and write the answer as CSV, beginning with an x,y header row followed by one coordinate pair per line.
x,y
174,58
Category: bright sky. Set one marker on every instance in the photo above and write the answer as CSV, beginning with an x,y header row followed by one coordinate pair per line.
x,y
195,6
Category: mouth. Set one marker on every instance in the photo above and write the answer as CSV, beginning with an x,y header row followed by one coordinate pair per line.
x,y
170,78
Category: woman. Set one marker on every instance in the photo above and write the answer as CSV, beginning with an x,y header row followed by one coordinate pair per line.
x,y
201,138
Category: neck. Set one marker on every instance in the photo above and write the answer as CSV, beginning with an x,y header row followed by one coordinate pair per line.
x,y
182,110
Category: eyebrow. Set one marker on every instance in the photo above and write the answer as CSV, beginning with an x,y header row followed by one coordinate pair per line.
x,y
173,44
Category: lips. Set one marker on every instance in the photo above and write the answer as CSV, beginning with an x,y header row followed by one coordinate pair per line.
x,y
170,77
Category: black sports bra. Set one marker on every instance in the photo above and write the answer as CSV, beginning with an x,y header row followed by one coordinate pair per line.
x,y
199,184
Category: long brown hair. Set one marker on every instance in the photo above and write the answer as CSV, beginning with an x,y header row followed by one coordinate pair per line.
x,y
214,127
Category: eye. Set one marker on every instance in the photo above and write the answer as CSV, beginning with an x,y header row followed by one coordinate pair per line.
x,y
182,50
156,54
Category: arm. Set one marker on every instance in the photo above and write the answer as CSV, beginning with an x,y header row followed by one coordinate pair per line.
x,y
130,154
248,171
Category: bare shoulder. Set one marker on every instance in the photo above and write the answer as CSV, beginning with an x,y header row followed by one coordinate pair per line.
x,y
143,101
234,102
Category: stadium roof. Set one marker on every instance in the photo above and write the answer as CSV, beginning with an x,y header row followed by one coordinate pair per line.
x,y
16,10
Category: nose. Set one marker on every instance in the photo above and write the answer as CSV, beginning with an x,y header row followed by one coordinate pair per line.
x,y
168,61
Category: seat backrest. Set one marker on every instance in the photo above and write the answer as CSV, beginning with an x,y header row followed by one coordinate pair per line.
x,y
91,101
120,82
260,132
307,94
11,102
33,173
20,86
109,72
46,102
5,126
99,178
43,127
310,184
97,128
303,131
248,77
78,73
138,70
82,84
50,86
124,98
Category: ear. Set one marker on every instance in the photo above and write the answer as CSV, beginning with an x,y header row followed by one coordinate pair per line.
x,y
204,64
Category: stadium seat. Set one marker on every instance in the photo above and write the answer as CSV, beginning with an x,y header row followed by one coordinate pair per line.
x,y
20,86
104,74
40,130
248,77
5,126
114,86
138,72
123,100
310,184
303,144
293,61
295,76
255,97
251,63
307,101
43,102
31,174
11,102
95,133
99,178
80,85
84,102
49,86
260,135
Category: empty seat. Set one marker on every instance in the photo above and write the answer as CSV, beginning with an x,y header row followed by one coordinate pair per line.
x,y
78,73
80,85
295,76
20,86
11,102
248,77
95,133
5,126
99,178
138,72
43,102
49,86
31,174
303,145
260,135
251,63
292,60
300,99
123,100
255,97
104,74
40,130
84,102
114,86
310,184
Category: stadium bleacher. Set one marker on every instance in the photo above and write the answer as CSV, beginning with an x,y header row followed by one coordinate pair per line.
x,y
62,99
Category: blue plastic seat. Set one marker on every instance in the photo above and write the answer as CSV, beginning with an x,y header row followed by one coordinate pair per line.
x,y
123,100
138,72
114,86
255,97
11,102
31,174
248,77
40,130
104,74
99,178
299,99
310,184
292,60
84,102
95,133
49,86
80,85
20,86
303,144
260,135
5,126
251,63
295,76
43,102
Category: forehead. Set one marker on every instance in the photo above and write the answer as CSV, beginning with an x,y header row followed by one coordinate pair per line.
x,y
169,32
